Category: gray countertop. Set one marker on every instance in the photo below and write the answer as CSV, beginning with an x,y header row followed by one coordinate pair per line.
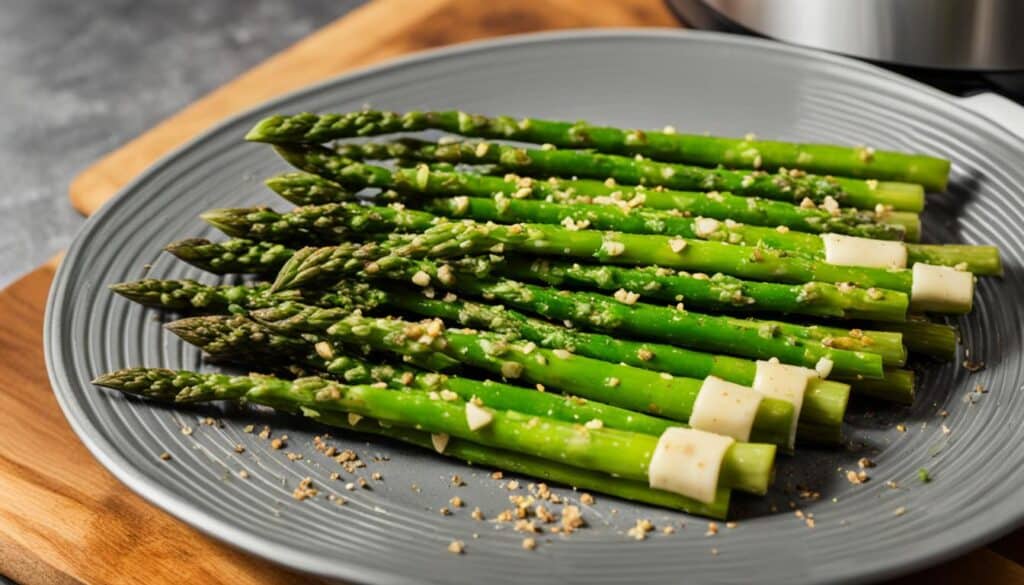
x,y
82,78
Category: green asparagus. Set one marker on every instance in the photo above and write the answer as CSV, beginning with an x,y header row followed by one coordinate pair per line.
x,y
232,256
981,260
324,357
241,336
887,224
746,466
791,185
753,262
863,162
576,477
619,385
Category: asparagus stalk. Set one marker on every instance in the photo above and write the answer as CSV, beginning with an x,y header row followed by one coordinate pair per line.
x,y
746,466
619,385
239,336
336,361
576,477
784,185
921,336
932,172
753,210
718,291
763,340
981,260
337,222
191,296
797,344
232,256
755,263
219,336
330,223
828,396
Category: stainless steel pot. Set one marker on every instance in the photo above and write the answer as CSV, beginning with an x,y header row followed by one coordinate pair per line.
x,y
977,35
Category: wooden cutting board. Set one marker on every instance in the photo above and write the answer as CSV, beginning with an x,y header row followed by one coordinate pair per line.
x,y
63,517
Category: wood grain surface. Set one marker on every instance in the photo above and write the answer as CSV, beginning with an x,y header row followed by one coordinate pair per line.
x,y
65,519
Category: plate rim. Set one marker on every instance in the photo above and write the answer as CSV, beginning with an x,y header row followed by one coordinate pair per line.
x,y
981,530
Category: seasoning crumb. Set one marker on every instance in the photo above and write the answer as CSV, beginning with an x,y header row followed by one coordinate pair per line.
x,y
350,486
456,502
165,456
445,512
186,430
239,448
901,428
730,525
586,499
497,475
856,477
529,543
457,481
714,552
456,547
865,463
668,530
512,485
277,443
249,428
640,530
376,476
243,474
891,484
476,514
305,490
899,511
712,529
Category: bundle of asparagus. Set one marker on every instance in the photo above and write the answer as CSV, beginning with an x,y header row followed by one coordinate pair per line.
x,y
654,324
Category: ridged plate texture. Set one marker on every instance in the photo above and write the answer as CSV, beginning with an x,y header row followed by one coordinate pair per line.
x,y
393,533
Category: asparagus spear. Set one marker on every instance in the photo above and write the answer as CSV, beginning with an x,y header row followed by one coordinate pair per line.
x,y
232,256
753,210
619,385
796,344
932,172
192,296
466,237
575,477
717,291
681,326
981,260
336,222
317,224
783,186
827,396
746,466
240,336
219,333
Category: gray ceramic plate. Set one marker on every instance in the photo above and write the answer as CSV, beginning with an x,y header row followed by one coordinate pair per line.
x,y
393,533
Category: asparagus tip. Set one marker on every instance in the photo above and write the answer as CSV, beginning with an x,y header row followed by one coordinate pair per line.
x,y
263,129
150,382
